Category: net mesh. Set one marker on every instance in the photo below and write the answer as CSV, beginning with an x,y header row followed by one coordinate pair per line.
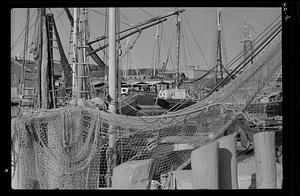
x,y
76,147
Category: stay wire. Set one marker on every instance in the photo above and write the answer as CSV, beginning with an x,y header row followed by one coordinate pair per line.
x,y
106,16
21,34
146,12
240,54
36,38
196,41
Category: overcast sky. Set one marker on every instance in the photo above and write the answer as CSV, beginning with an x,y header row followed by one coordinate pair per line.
x,y
202,22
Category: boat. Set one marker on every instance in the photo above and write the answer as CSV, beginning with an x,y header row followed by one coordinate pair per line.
x,y
175,99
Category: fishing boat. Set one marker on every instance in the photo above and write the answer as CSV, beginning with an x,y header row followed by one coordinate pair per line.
x,y
57,83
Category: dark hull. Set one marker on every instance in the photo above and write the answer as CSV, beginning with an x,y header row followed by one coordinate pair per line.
x,y
129,106
271,109
146,98
174,104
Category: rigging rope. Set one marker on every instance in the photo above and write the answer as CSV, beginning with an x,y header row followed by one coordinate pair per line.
x,y
239,67
146,12
106,16
167,46
17,40
240,54
196,41
37,37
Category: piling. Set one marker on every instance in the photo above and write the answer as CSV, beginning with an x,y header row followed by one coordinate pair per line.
x,y
204,163
265,162
227,162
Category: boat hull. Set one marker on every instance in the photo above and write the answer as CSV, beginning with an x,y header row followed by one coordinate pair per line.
x,y
129,106
174,104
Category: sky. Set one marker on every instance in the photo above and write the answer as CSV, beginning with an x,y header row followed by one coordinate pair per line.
x,y
198,24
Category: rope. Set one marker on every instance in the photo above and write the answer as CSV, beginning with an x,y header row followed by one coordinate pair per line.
x,y
240,54
135,108
106,16
15,42
167,46
37,37
196,41
146,12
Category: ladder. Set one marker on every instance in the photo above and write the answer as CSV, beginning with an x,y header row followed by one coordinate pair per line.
x,y
87,90
52,39
28,90
28,94
57,95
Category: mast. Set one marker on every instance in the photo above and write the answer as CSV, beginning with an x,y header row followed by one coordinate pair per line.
x,y
218,53
112,59
177,50
157,50
41,12
80,49
25,49
219,48
127,59
118,53
86,87
74,81
111,90
105,54
247,41
44,65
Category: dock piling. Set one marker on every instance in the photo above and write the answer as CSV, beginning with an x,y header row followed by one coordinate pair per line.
x,y
227,162
265,162
204,163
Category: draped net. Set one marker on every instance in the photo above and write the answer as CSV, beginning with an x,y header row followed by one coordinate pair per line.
x,y
66,148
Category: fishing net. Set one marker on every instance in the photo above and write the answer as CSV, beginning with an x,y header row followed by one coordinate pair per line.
x,y
77,147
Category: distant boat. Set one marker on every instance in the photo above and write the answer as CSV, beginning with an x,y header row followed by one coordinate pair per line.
x,y
175,99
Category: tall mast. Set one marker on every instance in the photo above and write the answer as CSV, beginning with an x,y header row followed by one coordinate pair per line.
x,y
74,81
80,57
105,53
118,53
80,60
177,50
111,91
41,12
127,59
25,49
247,41
219,48
112,59
157,50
